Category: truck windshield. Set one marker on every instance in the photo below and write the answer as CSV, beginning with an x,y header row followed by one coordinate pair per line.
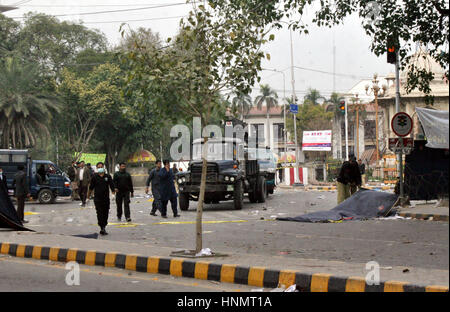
x,y
260,154
216,151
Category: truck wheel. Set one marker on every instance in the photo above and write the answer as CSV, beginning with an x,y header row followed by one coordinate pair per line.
x,y
238,195
252,197
46,196
261,190
184,201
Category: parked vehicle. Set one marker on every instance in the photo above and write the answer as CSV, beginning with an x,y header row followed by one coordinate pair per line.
x,y
230,174
267,164
56,184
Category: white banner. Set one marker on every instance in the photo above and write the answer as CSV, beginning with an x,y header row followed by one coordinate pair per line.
x,y
317,140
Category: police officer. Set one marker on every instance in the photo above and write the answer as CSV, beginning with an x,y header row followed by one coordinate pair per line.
x,y
124,187
349,179
153,178
99,184
167,188
20,183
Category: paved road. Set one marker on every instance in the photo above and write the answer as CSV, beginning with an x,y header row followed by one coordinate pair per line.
x,y
414,243
29,275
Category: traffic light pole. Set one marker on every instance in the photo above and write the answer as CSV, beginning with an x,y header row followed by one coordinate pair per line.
x,y
346,132
397,110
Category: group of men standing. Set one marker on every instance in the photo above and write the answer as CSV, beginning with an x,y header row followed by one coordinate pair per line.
x,y
350,178
162,180
86,182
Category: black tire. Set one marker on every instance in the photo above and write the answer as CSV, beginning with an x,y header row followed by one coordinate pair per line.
x,y
261,189
238,195
184,201
252,197
46,196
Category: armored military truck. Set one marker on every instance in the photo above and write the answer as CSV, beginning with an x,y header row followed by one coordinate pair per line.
x,y
231,173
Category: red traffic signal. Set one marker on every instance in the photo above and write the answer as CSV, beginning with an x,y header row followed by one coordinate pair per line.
x,y
391,55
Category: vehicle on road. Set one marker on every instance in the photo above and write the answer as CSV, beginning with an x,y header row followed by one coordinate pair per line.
x,y
56,184
267,163
231,173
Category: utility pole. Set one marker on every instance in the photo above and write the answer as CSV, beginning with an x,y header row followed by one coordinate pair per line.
x,y
397,110
346,131
296,179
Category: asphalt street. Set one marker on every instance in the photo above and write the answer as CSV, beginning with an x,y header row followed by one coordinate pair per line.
x,y
400,242
29,275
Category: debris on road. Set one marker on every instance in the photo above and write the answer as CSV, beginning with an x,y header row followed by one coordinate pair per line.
x,y
204,252
363,205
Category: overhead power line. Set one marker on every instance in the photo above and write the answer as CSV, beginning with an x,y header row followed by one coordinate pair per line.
x,y
116,11
91,5
138,20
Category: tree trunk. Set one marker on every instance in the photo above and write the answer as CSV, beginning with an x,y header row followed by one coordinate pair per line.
x,y
198,245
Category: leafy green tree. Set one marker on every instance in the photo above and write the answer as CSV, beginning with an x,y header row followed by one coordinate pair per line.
x,y
9,30
409,22
270,98
210,54
26,110
55,44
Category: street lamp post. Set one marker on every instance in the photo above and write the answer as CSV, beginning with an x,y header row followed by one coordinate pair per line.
x,y
376,91
296,180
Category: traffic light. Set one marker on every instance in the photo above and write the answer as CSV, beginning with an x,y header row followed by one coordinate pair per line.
x,y
392,46
391,55
342,107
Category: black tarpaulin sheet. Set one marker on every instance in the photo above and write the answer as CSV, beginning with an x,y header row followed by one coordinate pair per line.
x,y
8,215
364,204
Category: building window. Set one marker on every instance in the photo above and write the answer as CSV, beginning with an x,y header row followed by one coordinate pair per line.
x,y
257,132
369,129
351,131
278,130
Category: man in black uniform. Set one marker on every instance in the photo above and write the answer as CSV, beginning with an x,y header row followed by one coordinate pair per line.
x,y
167,190
154,179
100,183
3,180
124,187
349,179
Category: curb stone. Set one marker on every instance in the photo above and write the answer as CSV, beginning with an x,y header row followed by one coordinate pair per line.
x,y
424,216
229,273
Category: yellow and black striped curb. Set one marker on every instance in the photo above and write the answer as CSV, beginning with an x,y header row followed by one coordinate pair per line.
x,y
424,216
333,188
227,273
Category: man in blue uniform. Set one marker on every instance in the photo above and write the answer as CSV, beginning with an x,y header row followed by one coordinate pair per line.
x,y
167,190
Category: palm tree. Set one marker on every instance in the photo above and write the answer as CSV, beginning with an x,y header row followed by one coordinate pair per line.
x,y
313,96
243,103
25,111
270,98
334,101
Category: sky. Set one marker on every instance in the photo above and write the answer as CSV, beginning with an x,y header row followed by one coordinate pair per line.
x,y
312,52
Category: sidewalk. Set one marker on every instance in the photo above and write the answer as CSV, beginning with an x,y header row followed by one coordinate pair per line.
x,y
425,211
332,187
252,269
